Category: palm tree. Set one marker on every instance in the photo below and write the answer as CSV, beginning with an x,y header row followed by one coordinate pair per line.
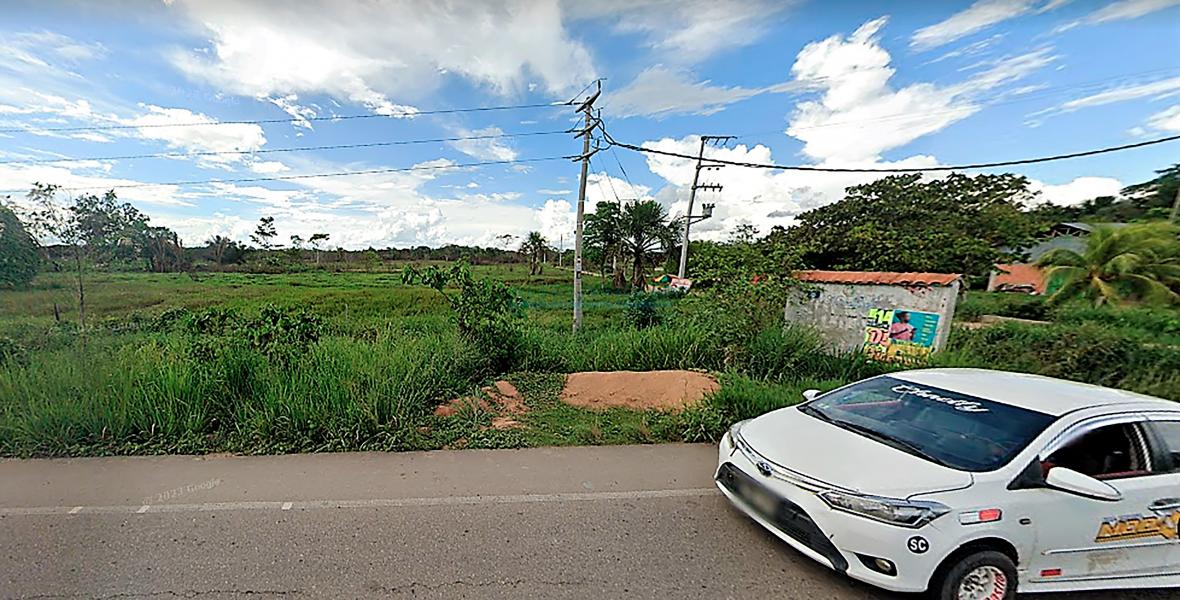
x,y
1118,264
646,230
604,233
534,247
219,244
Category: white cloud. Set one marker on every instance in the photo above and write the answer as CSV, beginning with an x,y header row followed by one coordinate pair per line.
x,y
1123,93
234,137
971,49
1166,120
858,115
660,91
553,192
268,167
686,31
1120,10
488,148
290,105
42,49
759,196
87,177
1077,191
978,16
557,219
371,52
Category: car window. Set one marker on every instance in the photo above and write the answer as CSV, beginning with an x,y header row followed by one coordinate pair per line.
x,y
1169,433
950,428
1110,452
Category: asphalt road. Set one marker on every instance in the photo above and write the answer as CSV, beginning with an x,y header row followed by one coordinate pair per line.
x,y
610,522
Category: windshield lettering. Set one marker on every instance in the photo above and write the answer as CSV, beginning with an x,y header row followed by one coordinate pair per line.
x,y
962,405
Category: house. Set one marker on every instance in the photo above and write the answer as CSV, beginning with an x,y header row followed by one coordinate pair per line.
x,y
1027,278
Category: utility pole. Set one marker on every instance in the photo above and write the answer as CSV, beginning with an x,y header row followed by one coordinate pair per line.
x,y
586,109
692,195
1175,206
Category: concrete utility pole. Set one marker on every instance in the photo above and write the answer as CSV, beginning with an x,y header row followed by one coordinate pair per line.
x,y
1175,206
692,195
585,109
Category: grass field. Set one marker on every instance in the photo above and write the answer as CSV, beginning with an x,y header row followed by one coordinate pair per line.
x,y
323,361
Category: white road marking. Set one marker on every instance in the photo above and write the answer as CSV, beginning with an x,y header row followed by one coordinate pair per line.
x,y
371,503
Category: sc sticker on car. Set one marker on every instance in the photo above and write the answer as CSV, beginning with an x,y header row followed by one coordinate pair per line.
x,y
917,544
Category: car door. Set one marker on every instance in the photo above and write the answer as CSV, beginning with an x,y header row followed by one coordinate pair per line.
x,y
1165,430
1081,538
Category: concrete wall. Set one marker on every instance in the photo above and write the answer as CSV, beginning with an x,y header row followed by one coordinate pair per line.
x,y
841,311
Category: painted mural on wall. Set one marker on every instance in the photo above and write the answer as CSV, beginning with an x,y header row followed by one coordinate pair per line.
x,y
900,335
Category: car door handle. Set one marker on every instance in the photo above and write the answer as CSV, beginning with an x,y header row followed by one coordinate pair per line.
x,y
1165,504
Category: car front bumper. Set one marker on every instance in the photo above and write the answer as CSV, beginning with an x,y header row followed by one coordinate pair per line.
x,y
840,540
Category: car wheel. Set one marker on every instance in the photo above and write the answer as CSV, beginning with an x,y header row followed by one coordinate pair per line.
x,y
986,575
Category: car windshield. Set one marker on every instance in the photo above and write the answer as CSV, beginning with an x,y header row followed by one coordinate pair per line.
x,y
952,429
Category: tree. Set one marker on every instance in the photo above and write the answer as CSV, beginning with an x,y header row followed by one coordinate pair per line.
x,y
19,255
604,238
646,230
1149,200
1118,264
534,247
264,233
163,250
218,246
959,224
315,240
94,228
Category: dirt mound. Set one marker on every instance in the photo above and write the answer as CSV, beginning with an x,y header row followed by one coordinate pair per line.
x,y
502,400
659,390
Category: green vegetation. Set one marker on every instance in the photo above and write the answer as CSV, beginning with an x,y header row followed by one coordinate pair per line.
x,y
959,224
309,349
19,256
1136,262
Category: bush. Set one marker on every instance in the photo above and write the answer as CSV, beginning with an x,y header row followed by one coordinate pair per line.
x,y
283,332
486,311
1021,306
1088,353
641,311
19,255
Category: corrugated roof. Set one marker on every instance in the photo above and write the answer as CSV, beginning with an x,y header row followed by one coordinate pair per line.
x,y
1018,275
877,277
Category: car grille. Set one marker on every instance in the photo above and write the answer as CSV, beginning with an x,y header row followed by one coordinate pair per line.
x,y
787,516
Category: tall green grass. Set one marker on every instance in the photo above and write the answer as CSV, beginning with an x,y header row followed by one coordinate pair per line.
x,y
155,394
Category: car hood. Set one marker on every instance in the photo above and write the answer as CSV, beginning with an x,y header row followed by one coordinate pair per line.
x,y
845,459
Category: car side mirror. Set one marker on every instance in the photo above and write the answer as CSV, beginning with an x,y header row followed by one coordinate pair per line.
x,y
810,395
1069,480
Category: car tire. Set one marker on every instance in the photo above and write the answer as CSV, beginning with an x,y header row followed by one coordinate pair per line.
x,y
984,575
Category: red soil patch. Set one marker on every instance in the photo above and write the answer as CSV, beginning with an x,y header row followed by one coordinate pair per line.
x,y
658,390
501,399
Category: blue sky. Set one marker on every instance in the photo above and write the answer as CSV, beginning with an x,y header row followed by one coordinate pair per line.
x,y
836,83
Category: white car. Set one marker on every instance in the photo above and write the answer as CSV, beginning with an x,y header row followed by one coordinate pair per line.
x,y
967,483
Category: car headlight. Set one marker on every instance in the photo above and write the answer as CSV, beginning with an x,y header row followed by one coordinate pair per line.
x,y
733,435
906,513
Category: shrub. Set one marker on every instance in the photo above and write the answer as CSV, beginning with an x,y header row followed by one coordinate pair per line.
x,y
486,311
1089,353
19,255
641,311
283,332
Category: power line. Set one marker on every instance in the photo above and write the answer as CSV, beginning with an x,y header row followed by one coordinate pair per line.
x,y
311,175
621,169
1096,84
295,149
988,165
402,115
608,180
